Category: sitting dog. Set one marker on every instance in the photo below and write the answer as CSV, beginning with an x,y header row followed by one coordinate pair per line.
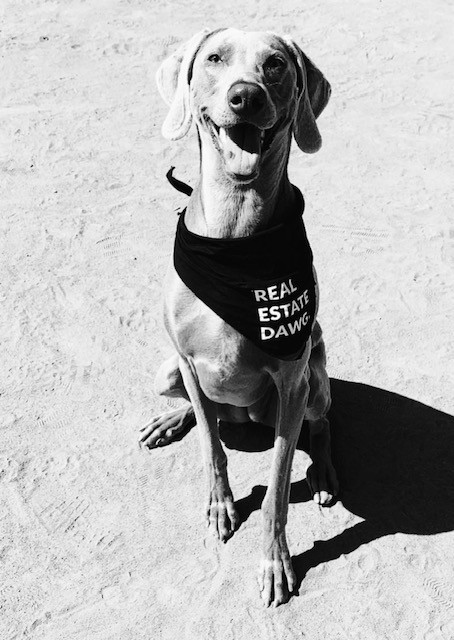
x,y
241,293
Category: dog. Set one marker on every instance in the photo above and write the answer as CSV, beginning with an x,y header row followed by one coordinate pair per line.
x,y
248,93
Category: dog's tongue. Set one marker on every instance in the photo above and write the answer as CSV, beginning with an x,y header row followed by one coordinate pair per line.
x,y
241,148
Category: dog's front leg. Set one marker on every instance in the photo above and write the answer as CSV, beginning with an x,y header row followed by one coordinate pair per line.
x,y
277,578
222,517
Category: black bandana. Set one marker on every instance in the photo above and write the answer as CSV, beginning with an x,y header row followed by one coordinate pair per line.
x,y
262,285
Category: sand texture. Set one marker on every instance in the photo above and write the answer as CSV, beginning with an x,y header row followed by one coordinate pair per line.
x,y
100,540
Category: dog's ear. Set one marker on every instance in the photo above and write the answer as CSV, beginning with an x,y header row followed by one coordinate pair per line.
x,y
172,78
314,92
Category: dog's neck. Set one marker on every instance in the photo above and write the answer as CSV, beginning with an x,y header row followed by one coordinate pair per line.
x,y
222,208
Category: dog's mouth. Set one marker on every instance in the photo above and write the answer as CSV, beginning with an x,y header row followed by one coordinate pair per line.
x,y
241,147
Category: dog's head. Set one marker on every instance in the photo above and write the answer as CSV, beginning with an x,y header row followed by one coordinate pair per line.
x,y
245,90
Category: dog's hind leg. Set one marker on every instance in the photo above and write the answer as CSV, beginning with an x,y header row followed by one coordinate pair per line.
x,y
321,475
170,426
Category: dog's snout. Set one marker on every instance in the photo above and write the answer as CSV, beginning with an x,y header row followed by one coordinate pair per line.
x,y
246,98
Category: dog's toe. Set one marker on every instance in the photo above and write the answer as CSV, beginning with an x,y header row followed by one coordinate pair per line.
x,y
323,498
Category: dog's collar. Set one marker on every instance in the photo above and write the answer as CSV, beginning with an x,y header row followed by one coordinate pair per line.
x,y
263,285
179,185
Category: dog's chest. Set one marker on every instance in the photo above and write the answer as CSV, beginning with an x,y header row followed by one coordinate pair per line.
x,y
229,367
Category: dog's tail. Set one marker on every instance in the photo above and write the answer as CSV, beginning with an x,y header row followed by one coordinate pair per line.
x,y
178,184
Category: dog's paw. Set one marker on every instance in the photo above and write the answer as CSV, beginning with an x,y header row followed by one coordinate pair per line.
x,y
221,516
277,578
167,427
322,480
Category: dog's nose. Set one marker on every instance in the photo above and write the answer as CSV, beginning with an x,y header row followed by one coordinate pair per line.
x,y
246,98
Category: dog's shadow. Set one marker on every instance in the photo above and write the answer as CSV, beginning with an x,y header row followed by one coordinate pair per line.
x,y
395,462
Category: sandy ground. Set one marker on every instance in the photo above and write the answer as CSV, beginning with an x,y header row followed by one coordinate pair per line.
x,y
100,540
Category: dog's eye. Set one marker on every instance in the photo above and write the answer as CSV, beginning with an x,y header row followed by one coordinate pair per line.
x,y
274,65
215,58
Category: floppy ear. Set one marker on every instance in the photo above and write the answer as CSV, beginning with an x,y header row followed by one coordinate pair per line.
x,y
172,79
314,93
